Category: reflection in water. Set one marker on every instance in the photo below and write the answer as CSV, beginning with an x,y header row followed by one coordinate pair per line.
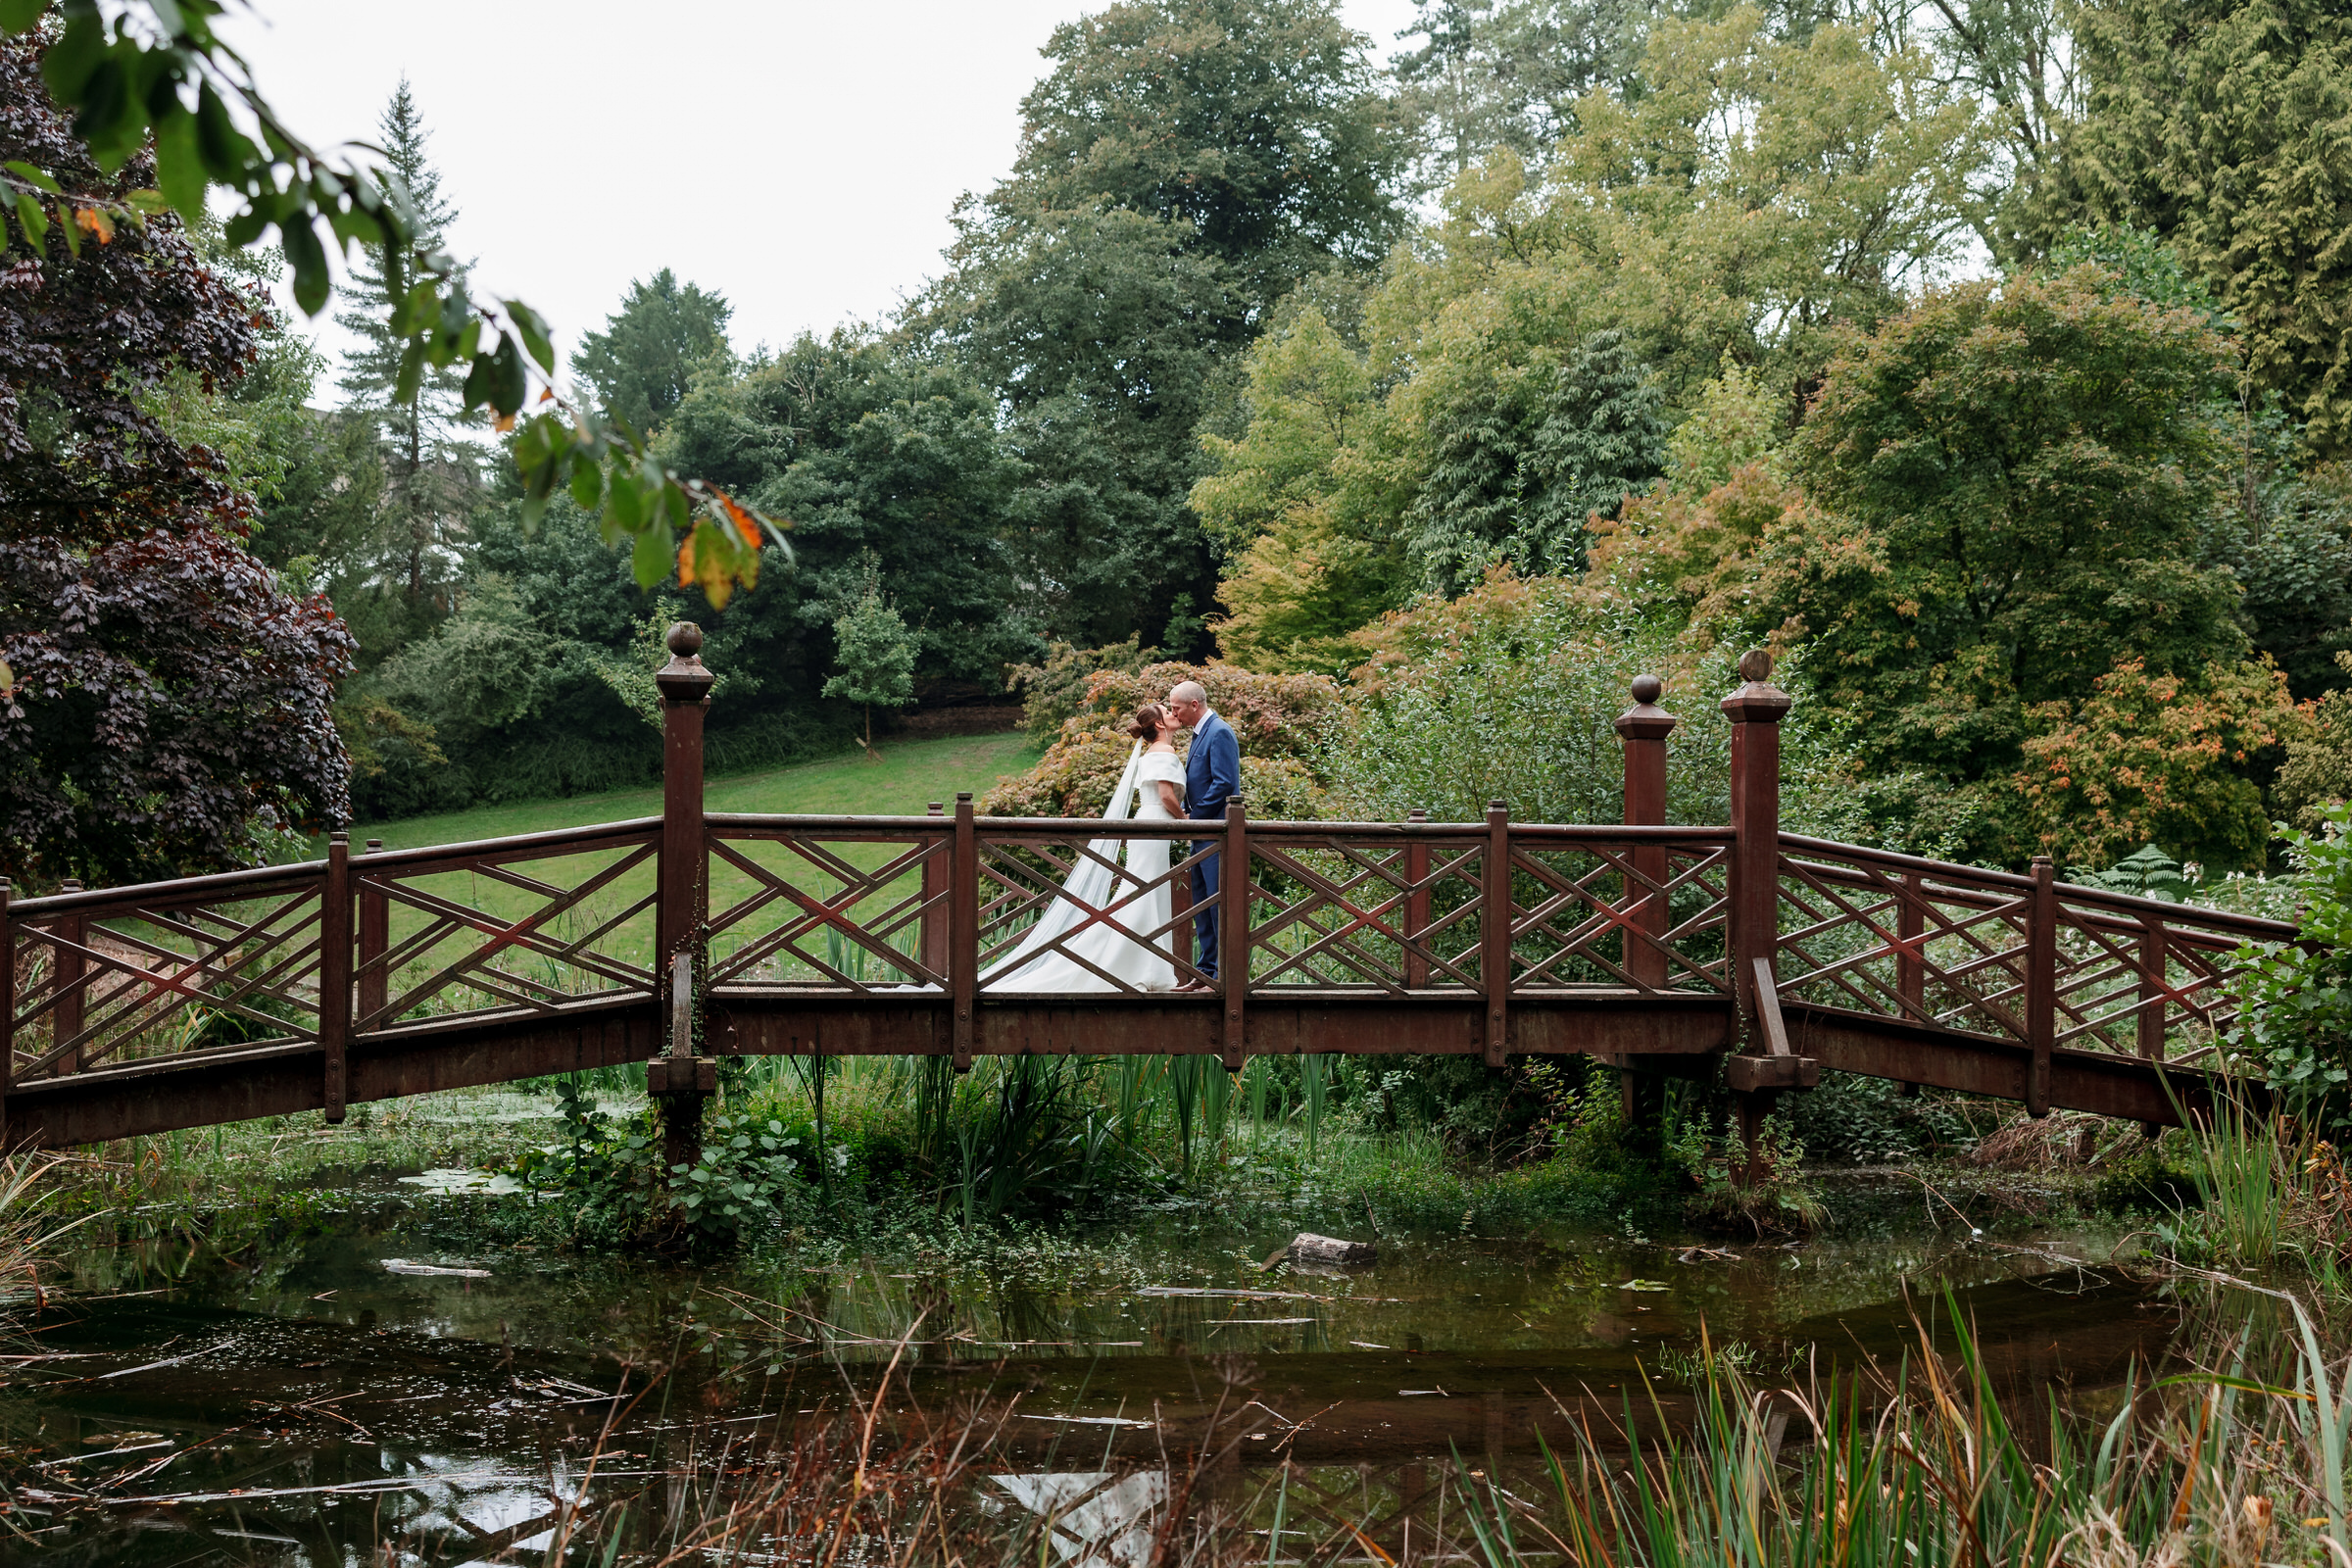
x,y
305,1404
1096,1518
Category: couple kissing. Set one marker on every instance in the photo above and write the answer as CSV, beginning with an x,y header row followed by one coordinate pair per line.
x,y
1110,927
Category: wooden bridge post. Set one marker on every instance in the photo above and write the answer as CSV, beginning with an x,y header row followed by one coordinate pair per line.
x,y
682,911
375,937
1645,727
1416,904
1755,710
334,973
1495,932
1233,928
2042,983
72,933
936,882
963,933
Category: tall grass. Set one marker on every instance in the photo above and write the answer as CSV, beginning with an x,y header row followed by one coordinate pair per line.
x,y
1926,1468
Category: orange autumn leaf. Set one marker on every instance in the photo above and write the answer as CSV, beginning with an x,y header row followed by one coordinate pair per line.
x,y
96,222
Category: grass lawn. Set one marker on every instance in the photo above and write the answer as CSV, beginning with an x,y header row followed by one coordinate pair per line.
x,y
907,776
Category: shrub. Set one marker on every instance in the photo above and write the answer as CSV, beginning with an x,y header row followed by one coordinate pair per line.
x,y
1281,721
2295,1018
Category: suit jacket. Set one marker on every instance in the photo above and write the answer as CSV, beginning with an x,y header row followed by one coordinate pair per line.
x,y
1212,770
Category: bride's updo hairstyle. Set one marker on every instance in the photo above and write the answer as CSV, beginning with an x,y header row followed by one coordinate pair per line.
x,y
1150,723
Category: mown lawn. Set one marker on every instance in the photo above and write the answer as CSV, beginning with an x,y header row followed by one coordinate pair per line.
x,y
901,781
906,778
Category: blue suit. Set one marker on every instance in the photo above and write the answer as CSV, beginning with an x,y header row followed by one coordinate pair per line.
x,y
1213,776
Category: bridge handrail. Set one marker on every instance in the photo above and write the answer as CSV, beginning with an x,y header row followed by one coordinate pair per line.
x,y
1957,878
1095,828
520,846
256,882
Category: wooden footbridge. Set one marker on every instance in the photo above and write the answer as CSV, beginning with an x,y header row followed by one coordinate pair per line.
x,y
672,940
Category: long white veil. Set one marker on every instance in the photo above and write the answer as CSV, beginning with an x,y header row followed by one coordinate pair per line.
x,y
1087,887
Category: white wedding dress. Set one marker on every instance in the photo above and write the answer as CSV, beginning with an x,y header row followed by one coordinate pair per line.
x,y
1124,946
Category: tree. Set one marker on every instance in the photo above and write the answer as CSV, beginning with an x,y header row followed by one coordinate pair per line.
x,y
1260,127
169,710
1492,75
641,362
880,460
2013,482
1100,329
431,476
873,655
1183,167
2222,125
173,710
1521,463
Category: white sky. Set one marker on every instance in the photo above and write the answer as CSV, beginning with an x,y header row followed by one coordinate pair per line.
x,y
800,159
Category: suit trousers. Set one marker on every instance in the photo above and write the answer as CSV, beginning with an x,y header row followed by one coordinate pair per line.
x,y
1204,914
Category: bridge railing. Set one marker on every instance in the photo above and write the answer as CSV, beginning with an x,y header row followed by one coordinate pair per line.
x,y
2028,959
956,911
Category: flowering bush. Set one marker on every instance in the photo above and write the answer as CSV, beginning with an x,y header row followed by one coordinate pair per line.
x,y
1280,721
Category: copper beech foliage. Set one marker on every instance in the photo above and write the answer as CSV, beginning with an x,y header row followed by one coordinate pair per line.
x,y
164,704
151,87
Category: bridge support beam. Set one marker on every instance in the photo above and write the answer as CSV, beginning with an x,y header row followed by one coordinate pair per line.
x,y
1650,916
680,1082
1755,710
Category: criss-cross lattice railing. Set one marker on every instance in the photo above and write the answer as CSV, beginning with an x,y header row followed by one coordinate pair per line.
x,y
854,902
117,976
2022,959
519,927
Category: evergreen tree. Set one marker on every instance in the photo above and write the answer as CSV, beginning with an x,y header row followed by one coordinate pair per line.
x,y
431,474
2221,125
640,363
874,652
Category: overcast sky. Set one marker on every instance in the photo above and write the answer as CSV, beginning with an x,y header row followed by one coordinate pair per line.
x,y
799,157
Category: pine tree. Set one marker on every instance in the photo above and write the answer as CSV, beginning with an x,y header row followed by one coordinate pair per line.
x,y
429,472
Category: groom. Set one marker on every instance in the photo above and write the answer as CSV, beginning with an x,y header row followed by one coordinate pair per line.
x,y
1213,776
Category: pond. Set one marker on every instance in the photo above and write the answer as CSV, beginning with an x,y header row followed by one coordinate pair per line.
x,y
306,1401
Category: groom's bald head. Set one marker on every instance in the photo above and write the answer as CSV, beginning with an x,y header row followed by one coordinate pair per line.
x,y
1187,701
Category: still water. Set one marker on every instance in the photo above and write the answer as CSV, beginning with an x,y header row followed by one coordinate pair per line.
x,y
303,1403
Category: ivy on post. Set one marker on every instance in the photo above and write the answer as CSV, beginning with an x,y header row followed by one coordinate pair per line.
x,y
1765,1065
680,1079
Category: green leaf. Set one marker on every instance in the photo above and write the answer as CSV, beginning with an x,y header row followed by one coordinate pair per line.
x,y
535,336
480,376
35,223
30,175
20,15
224,148
416,312
412,373
244,227
67,64
657,549
179,165
588,486
312,284
511,383
107,118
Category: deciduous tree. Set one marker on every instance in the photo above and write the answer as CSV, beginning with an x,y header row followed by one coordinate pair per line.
x,y
171,705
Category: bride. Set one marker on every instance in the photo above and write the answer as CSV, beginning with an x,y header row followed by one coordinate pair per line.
x,y
1129,944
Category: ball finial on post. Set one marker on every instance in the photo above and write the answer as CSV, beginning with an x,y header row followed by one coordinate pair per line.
x,y
1647,689
684,679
